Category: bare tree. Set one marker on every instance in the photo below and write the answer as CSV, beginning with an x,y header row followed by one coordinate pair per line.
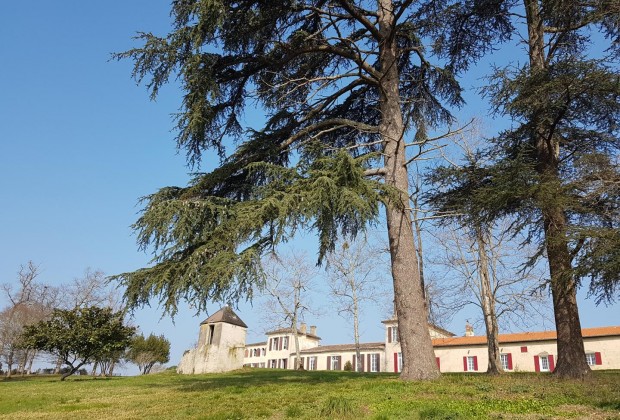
x,y
355,279
487,269
287,281
28,302
92,289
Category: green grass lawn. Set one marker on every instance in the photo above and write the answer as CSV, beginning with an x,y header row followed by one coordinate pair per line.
x,y
277,394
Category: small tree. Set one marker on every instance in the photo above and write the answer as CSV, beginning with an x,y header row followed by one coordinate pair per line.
x,y
146,352
79,336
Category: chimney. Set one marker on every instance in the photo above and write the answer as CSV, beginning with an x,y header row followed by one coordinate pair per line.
x,y
313,329
469,330
302,328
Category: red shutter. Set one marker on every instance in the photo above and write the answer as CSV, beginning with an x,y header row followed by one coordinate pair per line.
x,y
378,362
464,363
280,342
509,361
329,363
395,362
389,334
536,364
368,364
598,358
524,349
476,363
438,363
551,364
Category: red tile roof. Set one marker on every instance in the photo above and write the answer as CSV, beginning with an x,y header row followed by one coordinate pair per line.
x,y
344,347
522,337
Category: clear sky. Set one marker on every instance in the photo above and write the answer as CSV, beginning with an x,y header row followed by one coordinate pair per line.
x,y
80,143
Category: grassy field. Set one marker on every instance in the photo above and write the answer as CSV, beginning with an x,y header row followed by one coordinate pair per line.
x,y
277,394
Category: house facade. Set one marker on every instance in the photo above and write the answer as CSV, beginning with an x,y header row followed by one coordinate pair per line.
x,y
525,352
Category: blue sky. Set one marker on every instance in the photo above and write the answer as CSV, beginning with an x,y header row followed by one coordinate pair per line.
x,y
80,143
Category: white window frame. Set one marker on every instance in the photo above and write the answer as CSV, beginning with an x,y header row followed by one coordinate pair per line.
x,y
394,334
400,361
263,351
591,359
471,363
334,362
312,363
543,363
374,362
504,360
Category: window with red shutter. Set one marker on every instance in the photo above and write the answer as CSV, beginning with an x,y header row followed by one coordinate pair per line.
x,y
524,349
509,361
536,364
395,362
551,364
598,358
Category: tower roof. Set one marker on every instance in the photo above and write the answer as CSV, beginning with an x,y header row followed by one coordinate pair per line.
x,y
227,315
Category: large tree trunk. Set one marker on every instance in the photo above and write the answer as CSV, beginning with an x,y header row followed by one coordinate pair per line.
x,y
571,361
487,301
416,346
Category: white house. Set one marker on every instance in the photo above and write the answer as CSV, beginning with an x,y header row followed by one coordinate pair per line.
x,y
221,347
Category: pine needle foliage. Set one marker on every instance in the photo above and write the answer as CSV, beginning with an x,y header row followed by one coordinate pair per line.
x,y
316,69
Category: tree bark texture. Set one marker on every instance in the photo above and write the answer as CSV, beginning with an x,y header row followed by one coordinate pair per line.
x,y
416,346
571,361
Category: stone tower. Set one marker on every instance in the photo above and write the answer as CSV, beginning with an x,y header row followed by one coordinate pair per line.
x,y
221,343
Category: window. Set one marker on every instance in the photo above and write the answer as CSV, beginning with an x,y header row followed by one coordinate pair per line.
x,y
524,349
335,363
285,343
594,359
506,359
273,363
471,365
211,334
544,363
395,335
275,344
261,365
263,351
284,363
312,363
399,362
374,362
